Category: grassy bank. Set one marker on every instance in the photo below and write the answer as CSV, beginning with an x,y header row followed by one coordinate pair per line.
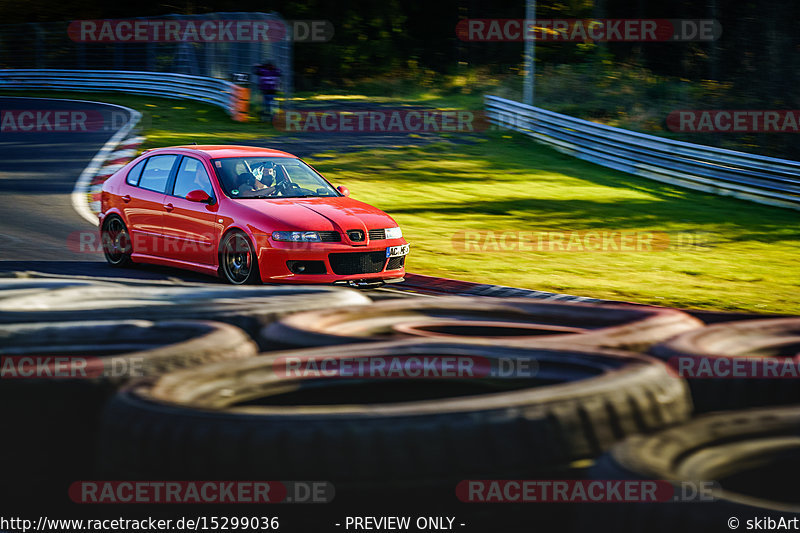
x,y
747,261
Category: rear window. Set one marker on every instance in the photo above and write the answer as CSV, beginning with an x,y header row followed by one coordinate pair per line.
x,y
156,172
135,173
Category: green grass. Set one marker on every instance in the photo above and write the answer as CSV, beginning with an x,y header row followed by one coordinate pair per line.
x,y
168,122
507,182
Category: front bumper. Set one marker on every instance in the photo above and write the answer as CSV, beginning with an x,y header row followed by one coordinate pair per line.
x,y
273,257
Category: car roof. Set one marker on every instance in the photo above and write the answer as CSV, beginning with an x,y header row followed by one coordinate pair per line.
x,y
223,150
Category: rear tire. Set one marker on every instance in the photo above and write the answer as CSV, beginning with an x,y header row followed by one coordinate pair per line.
x,y
116,242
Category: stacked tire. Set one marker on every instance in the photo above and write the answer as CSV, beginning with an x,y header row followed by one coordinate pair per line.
x,y
562,405
740,468
391,444
535,390
57,378
68,345
250,308
506,320
739,364
740,458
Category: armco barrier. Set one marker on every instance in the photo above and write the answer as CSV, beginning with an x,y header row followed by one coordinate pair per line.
x,y
229,96
756,178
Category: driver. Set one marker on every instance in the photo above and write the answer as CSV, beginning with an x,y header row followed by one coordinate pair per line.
x,y
252,182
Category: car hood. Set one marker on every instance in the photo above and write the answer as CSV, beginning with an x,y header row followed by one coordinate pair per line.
x,y
318,214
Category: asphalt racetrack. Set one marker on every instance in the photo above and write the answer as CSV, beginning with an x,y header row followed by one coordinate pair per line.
x,y
38,171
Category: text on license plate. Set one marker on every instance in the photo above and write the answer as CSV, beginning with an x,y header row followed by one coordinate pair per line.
x,y
397,251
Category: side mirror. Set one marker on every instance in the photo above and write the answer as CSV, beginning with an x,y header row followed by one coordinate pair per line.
x,y
199,196
344,190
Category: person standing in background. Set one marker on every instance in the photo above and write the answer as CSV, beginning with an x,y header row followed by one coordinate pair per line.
x,y
269,77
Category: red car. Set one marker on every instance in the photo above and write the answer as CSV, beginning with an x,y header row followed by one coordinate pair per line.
x,y
247,214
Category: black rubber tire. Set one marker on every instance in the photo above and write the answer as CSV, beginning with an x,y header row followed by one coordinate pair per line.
x,y
54,421
186,425
240,244
156,347
117,246
755,341
746,460
24,286
601,325
249,308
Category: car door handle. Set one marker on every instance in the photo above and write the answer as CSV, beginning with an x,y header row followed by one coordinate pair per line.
x,y
126,198
169,207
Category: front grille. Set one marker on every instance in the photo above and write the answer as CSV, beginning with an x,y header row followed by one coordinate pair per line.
x,y
357,262
356,235
377,234
329,236
396,263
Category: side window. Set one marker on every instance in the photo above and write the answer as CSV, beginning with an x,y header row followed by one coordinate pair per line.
x,y
135,173
156,173
192,176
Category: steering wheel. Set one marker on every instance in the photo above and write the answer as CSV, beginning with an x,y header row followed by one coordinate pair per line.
x,y
284,187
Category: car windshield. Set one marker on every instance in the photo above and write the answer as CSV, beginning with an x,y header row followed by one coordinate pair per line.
x,y
270,177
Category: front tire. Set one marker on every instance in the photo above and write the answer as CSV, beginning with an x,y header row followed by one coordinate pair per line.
x,y
116,242
238,263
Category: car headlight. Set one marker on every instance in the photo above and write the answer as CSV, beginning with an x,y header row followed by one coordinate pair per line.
x,y
296,236
394,233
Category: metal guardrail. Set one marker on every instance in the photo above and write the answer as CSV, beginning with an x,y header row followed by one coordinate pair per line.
x,y
756,178
229,96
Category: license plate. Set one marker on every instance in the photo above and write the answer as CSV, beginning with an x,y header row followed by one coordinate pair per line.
x,y
397,251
